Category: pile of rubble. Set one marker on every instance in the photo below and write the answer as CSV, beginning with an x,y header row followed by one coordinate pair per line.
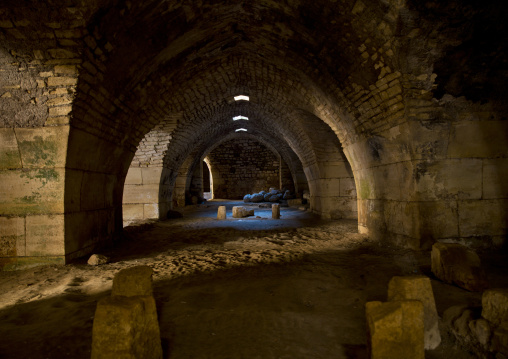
x,y
273,195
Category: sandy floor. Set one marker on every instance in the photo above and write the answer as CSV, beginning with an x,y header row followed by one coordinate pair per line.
x,y
250,288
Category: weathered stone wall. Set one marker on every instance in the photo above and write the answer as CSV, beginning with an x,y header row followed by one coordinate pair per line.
x,y
243,166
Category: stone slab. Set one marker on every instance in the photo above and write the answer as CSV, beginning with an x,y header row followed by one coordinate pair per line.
x,y
418,288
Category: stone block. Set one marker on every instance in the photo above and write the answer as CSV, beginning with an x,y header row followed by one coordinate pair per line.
x,y
126,327
151,211
133,176
495,173
395,329
347,187
35,191
221,212
439,219
483,217
44,146
152,175
457,264
12,237
446,179
478,139
45,235
241,212
275,211
133,211
133,281
418,288
141,194
495,306
9,152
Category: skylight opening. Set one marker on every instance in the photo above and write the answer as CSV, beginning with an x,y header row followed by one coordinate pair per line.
x,y
241,130
236,118
241,97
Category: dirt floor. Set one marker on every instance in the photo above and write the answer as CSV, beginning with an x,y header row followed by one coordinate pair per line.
x,y
238,288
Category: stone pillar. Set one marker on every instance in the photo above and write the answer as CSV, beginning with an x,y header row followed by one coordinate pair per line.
x,y
125,324
418,288
275,211
395,329
221,213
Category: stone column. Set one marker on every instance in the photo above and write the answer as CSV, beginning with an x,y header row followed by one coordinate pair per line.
x,y
221,213
275,211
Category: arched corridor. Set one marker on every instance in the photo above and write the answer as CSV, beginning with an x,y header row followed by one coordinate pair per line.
x,y
388,112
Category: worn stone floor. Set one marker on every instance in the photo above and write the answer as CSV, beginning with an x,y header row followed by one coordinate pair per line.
x,y
239,288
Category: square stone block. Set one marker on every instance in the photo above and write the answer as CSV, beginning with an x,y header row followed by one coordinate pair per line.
x,y
418,288
133,281
134,176
127,328
395,329
43,146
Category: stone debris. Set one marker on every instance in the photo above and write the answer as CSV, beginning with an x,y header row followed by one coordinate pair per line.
x,y
395,329
257,197
97,259
221,212
485,335
418,288
495,306
273,195
459,265
480,328
241,212
125,324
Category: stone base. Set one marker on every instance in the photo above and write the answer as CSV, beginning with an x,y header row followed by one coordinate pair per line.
x,y
126,327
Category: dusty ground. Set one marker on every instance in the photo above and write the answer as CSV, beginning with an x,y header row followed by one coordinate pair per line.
x,y
251,288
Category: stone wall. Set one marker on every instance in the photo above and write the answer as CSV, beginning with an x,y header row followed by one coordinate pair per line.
x,y
243,166
407,97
